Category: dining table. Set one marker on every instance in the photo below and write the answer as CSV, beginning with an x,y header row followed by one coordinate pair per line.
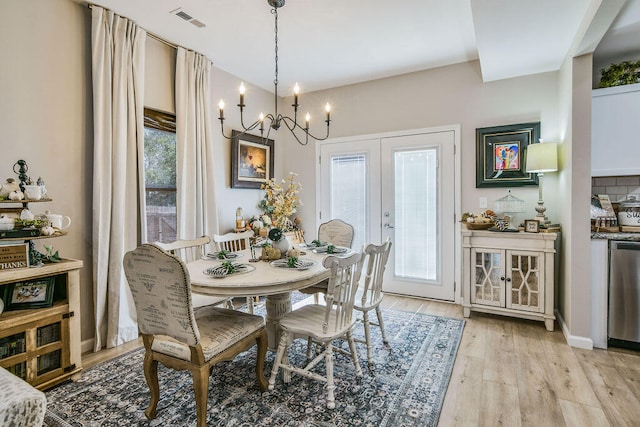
x,y
261,279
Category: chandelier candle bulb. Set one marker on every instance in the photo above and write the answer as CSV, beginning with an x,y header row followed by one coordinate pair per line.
x,y
221,107
328,110
307,119
242,90
296,91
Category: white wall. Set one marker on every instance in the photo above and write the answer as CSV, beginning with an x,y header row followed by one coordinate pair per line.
x,y
449,95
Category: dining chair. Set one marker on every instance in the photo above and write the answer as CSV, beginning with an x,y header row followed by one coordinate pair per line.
x,y
370,296
323,324
193,250
234,242
179,337
338,233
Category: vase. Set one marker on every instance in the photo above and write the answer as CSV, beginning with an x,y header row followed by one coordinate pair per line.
x,y
282,245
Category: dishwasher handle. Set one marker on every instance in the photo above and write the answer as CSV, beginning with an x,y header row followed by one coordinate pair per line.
x,y
629,246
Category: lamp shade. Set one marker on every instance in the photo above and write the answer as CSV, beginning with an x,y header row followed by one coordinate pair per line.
x,y
542,157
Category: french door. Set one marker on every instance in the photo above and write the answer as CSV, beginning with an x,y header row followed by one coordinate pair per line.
x,y
401,187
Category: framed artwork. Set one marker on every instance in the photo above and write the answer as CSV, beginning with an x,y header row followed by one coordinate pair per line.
x,y
531,226
500,155
251,160
35,293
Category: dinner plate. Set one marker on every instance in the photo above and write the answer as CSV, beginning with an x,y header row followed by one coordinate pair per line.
x,y
302,264
338,250
220,272
227,256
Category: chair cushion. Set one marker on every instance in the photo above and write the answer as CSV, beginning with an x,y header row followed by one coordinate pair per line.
x,y
219,329
308,320
21,405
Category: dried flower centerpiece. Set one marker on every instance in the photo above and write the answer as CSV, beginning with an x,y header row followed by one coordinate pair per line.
x,y
281,201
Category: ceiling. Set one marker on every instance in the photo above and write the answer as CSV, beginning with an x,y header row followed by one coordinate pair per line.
x,y
330,43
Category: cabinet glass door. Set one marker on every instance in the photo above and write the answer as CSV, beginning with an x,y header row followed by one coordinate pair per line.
x,y
525,272
488,277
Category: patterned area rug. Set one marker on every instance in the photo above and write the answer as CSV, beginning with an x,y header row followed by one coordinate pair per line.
x,y
405,388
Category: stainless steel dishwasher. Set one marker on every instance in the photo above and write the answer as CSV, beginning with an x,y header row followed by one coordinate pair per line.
x,y
624,294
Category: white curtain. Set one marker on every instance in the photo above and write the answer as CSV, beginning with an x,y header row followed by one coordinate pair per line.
x,y
196,209
117,46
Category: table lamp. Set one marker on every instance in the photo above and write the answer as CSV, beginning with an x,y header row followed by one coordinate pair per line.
x,y
541,158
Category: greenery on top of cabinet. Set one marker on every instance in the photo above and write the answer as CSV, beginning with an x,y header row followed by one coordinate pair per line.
x,y
624,73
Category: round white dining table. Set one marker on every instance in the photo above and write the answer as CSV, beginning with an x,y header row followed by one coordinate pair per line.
x,y
273,282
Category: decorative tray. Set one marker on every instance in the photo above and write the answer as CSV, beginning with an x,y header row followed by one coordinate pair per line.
x,y
222,270
478,225
223,255
301,264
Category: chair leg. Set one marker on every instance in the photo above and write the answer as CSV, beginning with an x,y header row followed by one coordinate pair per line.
x,y
354,353
367,336
309,344
262,342
331,400
381,324
278,360
250,304
201,389
151,375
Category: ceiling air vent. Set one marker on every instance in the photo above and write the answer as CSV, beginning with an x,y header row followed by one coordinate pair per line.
x,y
190,19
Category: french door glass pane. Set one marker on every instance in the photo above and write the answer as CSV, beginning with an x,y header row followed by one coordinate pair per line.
x,y
416,215
349,195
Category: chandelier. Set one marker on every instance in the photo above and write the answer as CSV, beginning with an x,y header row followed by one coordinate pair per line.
x,y
276,119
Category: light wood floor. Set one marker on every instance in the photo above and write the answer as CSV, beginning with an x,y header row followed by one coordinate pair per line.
x,y
512,372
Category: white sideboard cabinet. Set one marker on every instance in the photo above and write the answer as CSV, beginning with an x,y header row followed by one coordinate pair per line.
x,y
510,274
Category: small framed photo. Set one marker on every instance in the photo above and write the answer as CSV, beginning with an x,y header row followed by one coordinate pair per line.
x,y
252,160
531,226
36,293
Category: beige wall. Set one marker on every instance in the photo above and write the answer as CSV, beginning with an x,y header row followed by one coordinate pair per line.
x,y
46,117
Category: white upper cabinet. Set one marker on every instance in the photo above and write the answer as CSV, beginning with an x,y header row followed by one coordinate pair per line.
x,y
615,131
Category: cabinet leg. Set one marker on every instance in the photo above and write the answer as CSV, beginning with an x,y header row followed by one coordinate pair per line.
x,y
549,323
466,311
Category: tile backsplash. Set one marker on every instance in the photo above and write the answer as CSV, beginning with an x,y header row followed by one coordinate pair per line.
x,y
617,187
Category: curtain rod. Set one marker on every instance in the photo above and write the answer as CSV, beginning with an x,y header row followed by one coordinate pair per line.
x,y
151,35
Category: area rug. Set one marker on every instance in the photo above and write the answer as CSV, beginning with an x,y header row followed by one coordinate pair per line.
x,y
405,387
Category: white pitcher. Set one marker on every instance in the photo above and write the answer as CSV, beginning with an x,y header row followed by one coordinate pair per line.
x,y
58,221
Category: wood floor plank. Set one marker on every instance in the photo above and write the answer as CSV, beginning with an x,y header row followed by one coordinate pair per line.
x,y
617,400
500,358
474,338
566,375
576,414
499,405
538,401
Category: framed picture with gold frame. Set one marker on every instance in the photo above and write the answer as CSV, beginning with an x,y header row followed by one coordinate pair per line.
x,y
252,160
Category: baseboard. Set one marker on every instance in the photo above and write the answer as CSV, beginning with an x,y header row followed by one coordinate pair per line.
x,y
86,346
573,340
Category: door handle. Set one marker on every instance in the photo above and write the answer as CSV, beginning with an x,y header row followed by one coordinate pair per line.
x,y
387,225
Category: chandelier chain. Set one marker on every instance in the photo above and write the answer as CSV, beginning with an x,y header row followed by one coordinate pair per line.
x,y
275,81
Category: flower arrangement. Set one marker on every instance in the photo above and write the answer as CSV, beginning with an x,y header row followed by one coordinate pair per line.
x,y
281,200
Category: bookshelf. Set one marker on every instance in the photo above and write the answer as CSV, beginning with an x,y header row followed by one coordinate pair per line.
x,y
42,345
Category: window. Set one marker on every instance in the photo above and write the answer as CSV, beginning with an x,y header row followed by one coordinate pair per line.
x,y
160,175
